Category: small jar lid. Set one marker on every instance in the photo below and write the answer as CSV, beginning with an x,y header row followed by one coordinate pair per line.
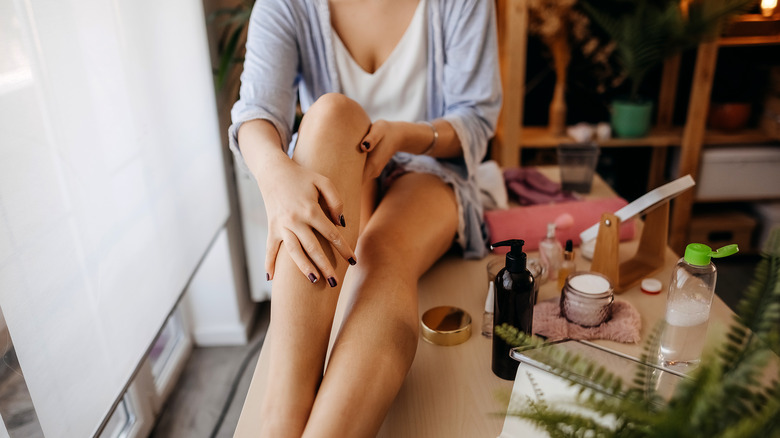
x,y
651,286
446,325
590,285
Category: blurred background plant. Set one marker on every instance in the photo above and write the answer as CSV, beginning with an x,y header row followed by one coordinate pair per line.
x,y
562,26
231,23
646,32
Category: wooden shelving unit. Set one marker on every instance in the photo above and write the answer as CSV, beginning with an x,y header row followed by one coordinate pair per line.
x,y
511,136
755,31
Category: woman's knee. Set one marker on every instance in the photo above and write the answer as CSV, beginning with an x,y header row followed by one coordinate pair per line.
x,y
338,117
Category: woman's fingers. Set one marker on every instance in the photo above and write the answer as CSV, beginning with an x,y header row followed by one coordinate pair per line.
x,y
305,249
369,141
271,251
333,201
334,236
374,136
312,248
297,254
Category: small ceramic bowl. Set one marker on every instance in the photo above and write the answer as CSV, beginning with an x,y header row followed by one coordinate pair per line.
x,y
729,116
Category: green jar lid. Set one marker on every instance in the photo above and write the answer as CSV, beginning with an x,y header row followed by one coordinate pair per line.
x,y
699,254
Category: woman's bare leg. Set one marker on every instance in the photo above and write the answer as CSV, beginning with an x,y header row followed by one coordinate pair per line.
x,y
414,224
302,312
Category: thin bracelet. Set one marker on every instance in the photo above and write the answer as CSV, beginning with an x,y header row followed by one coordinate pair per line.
x,y
435,138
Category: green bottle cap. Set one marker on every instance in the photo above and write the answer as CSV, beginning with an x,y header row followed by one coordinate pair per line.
x,y
699,254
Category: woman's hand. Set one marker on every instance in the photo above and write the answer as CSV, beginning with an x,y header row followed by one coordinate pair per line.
x,y
299,202
382,141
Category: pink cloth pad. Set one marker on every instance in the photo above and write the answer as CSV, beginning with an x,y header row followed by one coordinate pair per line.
x,y
624,326
528,186
530,222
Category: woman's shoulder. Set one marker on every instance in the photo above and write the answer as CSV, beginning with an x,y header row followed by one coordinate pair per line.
x,y
297,9
460,6
302,17
461,12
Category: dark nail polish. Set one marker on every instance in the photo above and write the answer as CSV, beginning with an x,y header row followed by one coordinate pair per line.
x,y
267,277
366,145
342,221
352,261
312,278
332,282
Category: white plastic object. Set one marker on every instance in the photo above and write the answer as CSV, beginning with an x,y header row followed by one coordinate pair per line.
x,y
651,286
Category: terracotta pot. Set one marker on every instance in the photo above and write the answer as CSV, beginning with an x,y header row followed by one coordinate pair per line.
x,y
730,116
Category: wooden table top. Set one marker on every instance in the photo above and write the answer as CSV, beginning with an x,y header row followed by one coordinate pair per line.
x,y
451,391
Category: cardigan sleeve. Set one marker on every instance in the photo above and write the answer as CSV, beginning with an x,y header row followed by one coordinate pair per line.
x,y
270,78
471,82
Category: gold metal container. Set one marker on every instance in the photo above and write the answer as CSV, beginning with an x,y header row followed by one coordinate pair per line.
x,y
446,325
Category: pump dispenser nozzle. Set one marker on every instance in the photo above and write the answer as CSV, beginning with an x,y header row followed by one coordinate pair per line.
x,y
515,258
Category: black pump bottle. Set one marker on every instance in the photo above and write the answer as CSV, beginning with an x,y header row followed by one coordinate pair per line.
x,y
513,305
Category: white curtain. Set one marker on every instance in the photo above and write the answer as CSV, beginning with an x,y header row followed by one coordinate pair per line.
x,y
111,189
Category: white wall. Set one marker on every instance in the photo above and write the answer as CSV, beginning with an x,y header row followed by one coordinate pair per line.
x,y
111,189
3,430
255,222
218,315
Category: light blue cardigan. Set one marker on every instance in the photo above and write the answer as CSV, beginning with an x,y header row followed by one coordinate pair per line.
x,y
290,51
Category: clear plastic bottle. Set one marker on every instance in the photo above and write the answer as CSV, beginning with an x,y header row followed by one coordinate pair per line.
x,y
487,316
688,306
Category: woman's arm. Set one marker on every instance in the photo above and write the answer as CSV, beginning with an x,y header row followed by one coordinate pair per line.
x,y
385,138
289,192
470,93
262,122
471,84
271,67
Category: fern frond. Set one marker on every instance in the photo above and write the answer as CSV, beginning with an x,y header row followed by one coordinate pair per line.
x,y
561,424
516,338
644,381
537,390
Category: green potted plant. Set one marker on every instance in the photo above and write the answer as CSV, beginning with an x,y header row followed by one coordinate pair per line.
x,y
232,23
647,32
735,392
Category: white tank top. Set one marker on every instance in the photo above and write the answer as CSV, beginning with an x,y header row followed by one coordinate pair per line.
x,y
397,89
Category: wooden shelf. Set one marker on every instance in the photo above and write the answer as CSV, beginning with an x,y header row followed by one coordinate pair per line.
x,y
746,136
752,30
540,137
741,41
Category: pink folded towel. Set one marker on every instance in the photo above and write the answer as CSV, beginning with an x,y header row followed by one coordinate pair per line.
x,y
528,186
624,326
530,222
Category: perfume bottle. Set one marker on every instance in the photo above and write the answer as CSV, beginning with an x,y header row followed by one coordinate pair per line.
x,y
551,252
567,265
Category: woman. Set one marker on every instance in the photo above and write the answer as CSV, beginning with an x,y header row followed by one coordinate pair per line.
x,y
400,98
